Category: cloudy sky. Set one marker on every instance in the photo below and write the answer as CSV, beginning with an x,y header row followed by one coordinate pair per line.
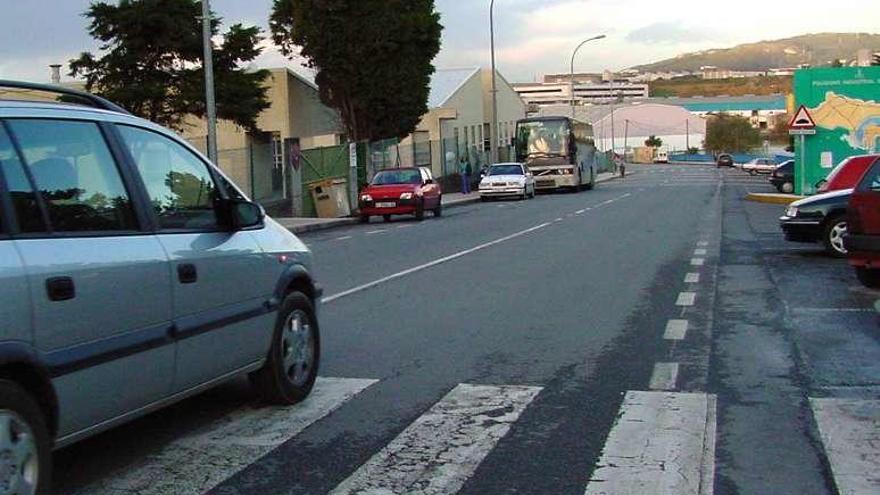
x,y
533,37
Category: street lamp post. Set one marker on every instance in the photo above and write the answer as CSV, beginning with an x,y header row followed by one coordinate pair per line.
x,y
493,129
571,73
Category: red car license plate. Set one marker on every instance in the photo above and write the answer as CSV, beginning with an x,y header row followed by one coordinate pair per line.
x,y
386,205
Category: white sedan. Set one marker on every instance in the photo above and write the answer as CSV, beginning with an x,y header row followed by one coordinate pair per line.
x,y
507,179
760,166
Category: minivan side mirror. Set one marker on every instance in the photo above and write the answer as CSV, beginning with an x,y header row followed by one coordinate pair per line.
x,y
243,214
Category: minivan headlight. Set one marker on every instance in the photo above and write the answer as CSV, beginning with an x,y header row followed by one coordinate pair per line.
x,y
406,195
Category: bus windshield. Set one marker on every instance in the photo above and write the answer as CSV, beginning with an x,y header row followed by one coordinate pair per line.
x,y
542,138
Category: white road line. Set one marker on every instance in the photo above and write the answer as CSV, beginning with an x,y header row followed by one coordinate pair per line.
x,y
698,261
558,220
700,252
833,310
686,299
703,243
676,330
692,278
405,226
380,231
438,452
425,266
850,431
662,443
344,238
198,462
580,212
665,376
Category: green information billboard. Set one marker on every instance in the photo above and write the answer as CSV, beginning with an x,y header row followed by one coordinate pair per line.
x,y
845,104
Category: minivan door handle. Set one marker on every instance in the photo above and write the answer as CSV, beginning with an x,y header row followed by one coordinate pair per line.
x,y
187,273
60,289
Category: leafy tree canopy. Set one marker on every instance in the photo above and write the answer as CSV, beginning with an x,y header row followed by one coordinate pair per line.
x,y
372,57
653,142
731,133
151,56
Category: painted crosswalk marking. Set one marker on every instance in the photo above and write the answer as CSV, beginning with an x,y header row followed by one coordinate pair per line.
x,y
443,447
698,261
662,443
198,462
692,278
850,431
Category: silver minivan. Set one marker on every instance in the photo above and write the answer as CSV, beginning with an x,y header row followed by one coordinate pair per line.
x,y
133,274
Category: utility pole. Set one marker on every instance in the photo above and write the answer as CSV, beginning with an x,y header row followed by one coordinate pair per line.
x,y
208,65
687,135
611,90
625,138
493,129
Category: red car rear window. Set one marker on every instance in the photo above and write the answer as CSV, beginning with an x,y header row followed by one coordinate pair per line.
x,y
848,172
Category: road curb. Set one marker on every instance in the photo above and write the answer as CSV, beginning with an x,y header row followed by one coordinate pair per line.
x,y
770,198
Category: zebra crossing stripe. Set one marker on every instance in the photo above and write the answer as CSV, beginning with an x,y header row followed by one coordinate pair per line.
x,y
198,462
850,431
662,443
442,449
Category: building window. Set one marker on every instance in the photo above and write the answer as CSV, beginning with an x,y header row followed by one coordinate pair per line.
x,y
277,151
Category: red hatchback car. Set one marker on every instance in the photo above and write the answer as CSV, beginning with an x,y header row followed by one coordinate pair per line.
x,y
847,173
401,191
862,240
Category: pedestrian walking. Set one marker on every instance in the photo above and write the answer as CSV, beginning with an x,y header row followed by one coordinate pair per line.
x,y
464,169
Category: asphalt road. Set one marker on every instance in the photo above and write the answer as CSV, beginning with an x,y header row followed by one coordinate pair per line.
x,y
493,350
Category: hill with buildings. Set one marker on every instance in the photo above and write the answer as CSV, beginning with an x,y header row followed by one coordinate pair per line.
x,y
691,86
813,49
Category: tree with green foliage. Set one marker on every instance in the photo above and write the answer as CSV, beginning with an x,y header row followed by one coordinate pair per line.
x,y
151,62
372,57
731,133
653,142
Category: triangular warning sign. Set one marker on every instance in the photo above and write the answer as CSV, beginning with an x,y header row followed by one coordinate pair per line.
x,y
802,119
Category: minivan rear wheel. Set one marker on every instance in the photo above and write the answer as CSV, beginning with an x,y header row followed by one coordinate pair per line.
x,y
25,452
292,365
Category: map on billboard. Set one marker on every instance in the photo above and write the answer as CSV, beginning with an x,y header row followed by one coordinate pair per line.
x,y
859,119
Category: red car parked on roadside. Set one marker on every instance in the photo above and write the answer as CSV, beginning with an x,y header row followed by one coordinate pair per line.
x,y
847,173
862,240
401,191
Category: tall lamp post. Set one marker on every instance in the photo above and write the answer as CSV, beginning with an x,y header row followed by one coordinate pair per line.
x,y
571,73
493,129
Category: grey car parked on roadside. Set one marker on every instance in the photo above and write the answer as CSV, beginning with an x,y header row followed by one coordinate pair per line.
x,y
133,274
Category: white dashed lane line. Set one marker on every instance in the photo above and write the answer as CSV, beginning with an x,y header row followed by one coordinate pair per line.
x,y
676,330
374,232
665,376
686,299
700,252
692,278
698,261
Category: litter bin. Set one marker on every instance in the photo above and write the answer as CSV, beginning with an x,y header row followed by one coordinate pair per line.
x,y
331,198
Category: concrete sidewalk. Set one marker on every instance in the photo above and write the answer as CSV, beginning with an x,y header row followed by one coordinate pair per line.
x,y
299,225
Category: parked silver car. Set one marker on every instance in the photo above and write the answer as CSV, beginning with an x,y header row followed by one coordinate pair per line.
x,y
133,274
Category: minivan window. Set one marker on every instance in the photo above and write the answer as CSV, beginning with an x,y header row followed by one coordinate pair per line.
x,y
178,183
75,174
24,198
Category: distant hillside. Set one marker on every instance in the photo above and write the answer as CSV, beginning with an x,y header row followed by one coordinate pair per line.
x,y
686,87
814,49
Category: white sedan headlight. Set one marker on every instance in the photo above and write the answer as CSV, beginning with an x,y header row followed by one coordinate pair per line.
x,y
406,195
366,198
791,212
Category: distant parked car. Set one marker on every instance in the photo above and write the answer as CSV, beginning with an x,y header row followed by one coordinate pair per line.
x,y
820,218
724,160
863,217
783,177
507,179
401,191
759,166
847,173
